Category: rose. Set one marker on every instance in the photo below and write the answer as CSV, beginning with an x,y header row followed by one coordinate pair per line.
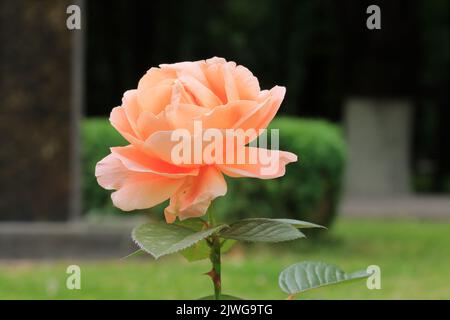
x,y
219,94
223,100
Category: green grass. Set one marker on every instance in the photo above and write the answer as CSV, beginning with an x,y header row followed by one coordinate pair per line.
x,y
414,257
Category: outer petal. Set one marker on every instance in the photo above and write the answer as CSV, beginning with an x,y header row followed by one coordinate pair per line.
x,y
259,163
145,193
138,161
110,173
135,190
120,122
133,123
247,83
170,145
260,117
195,195
131,108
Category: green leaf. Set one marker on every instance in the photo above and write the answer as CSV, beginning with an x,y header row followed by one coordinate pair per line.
x,y
262,230
200,250
160,239
300,224
221,297
136,253
195,224
308,275
227,245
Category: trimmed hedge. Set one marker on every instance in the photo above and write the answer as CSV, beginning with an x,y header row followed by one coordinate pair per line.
x,y
97,137
310,189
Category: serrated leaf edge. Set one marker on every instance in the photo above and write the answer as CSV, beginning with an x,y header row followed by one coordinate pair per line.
x,y
299,234
169,251
349,275
132,254
298,223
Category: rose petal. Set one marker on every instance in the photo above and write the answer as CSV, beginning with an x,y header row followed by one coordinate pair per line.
x,y
195,195
149,123
227,116
214,74
120,122
135,190
156,76
110,173
180,95
231,88
136,160
247,83
267,164
183,115
201,93
131,108
163,144
260,117
188,68
143,193
156,98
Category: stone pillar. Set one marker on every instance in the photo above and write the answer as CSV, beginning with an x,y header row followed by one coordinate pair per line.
x,y
381,69
378,134
36,177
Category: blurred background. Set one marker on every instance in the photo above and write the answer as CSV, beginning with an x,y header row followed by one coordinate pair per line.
x,y
366,110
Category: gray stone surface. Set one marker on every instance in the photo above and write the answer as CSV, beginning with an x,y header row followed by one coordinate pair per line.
x,y
378,134
421,207
50,240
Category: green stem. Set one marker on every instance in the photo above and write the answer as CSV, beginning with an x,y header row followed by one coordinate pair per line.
x,y
216,266
211,219
214,256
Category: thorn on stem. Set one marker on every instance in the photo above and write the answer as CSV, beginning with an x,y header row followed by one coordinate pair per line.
x,y
210,273
214,276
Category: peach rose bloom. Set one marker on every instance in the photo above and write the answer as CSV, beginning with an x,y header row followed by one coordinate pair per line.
x,y
218,93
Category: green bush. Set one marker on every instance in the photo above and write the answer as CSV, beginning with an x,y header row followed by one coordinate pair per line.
x,y
97,137
310,189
